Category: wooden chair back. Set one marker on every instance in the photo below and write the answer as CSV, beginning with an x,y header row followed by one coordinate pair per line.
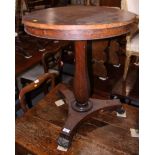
x,y
51,59
47,77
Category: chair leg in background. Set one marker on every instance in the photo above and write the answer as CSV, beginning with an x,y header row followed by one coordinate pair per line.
x,y
126,67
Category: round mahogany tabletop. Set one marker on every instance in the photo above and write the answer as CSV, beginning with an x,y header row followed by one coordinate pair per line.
x,y
78,22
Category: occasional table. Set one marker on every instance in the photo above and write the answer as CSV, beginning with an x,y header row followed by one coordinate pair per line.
x,y
79,23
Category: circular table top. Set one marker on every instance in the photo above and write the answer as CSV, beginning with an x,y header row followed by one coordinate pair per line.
x,y
78,22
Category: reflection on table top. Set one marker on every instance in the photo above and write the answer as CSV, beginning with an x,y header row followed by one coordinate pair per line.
x,y
78,22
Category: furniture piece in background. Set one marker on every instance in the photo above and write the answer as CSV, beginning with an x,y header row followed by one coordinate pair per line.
x,y
32,5
113,51
25,58
116,44
17,105
40,4
39,69
32,68
51,62
104,51
99,58
93,2
46,61
64,2
111,3
86,2
107,54
132,49
77,2
132,46
18,30
107,22
126,86
22,65
23,7
40,80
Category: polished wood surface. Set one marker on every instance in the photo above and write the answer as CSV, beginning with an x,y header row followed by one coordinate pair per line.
x,y
64,23
104,133
81,82
91,23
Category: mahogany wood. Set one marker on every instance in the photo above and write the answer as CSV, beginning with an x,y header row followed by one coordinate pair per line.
x,y
92,106
90,23
81,82
104,133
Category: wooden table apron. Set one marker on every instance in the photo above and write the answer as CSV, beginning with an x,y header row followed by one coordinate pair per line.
x,y
79,23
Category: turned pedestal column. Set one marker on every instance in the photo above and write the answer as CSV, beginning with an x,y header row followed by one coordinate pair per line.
x,y
81,78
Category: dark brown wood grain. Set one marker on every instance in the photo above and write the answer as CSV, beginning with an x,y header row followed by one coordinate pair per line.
x,y
90,23
78,35
104,133
64,23
79,23
81,81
